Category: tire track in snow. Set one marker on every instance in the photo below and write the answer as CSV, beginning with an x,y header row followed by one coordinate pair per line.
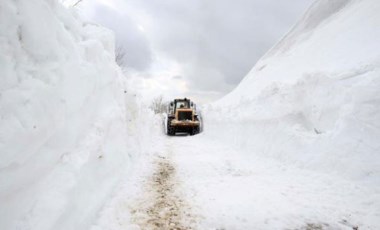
x,y
162,206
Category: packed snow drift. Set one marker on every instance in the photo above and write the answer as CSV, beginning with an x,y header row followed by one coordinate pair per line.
x,y
68,121
313,99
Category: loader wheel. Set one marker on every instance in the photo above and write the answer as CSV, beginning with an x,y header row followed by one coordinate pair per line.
x,y
194,131
197,130
171,130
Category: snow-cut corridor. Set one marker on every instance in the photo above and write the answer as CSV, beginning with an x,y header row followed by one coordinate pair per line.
x,y
294,146
217,187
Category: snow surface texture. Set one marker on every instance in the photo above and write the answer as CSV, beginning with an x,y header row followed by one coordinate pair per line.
x,y
230,189
68,121
295,146
313,99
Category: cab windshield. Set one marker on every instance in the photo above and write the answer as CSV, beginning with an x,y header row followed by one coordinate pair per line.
x,y
182,104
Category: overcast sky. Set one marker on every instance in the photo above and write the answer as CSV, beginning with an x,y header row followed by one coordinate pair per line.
x,y
199,49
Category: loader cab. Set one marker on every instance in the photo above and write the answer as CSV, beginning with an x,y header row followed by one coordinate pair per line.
x,y
181,104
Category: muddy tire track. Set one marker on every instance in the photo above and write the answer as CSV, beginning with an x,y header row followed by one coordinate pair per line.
x,y
162,206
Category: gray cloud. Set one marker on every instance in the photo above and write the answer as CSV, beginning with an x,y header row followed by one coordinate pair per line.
x,y
216,42
129,38
220,40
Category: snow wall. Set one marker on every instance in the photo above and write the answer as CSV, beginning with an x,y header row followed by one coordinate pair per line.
x,y
70,126
314,99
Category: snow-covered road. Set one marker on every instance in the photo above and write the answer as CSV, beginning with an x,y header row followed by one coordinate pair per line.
x,y
294,146
200,183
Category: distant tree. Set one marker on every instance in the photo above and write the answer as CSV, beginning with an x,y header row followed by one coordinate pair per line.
x,y
158,105
120,55
70,3
75,4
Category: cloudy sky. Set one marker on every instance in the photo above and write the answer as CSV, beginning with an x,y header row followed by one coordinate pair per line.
x,y
199,49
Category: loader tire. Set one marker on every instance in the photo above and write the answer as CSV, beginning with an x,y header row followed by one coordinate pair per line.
x,y
194,131
171,130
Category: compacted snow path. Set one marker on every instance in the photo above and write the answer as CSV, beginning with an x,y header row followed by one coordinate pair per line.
x,y
195,182
152,198
166,208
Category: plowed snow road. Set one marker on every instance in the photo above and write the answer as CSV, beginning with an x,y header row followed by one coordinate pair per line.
x,y
166,209
200,183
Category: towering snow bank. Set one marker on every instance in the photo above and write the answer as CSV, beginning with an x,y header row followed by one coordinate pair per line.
x,y
314,98
66,121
